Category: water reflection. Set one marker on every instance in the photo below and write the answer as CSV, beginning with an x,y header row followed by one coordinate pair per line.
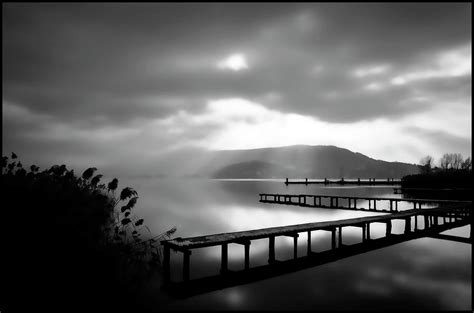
x,y
420,274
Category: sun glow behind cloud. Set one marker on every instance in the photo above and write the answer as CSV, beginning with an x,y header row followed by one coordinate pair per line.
x,y
235,62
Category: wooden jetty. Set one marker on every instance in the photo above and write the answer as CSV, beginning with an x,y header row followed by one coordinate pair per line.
x,y
348,202
184,289
342,181
447,216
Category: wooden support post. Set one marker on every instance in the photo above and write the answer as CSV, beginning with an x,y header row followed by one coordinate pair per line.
x,y
306,181
370,204
186,259
407,225
339,244
333,238
391,205
396,206
166,263
427,222
414,205
416,222
375,204
271,249
224,258
247,255
388,231
309,242
314,200
295,246
368,232
355,203
286,181
364,233
337,202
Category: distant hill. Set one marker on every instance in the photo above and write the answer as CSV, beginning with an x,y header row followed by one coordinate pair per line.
x,y
252,169
299,162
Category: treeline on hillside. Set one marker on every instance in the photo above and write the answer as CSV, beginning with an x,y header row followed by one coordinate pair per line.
x,y
74,243
451,171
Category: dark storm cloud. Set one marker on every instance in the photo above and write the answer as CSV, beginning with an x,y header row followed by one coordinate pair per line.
x,y
83,60
113,79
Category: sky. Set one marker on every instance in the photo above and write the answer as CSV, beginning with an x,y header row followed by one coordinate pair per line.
x,y
116,83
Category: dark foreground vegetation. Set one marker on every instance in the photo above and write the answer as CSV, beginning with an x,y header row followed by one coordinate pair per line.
x,y
452,179
71,243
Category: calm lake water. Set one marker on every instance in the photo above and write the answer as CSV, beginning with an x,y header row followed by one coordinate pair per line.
x,y
419,274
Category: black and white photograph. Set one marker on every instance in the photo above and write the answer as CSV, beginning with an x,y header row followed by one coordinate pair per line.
x,y
198,156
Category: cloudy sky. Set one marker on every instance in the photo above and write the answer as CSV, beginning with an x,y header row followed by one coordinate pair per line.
x,y
93,84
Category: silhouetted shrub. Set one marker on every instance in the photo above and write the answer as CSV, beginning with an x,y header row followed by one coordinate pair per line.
x,y
73,242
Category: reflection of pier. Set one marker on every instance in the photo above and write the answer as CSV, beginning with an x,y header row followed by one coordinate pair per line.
x,y
434,221
348,202
342,181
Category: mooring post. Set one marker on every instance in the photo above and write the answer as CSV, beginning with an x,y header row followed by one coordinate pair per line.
x,y
309,242
306,181
271,249
325,181
186,257
224,258
388,231
286,182
166,263
358,181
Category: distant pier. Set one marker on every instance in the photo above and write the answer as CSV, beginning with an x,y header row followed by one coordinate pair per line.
x,y
342,181
348,202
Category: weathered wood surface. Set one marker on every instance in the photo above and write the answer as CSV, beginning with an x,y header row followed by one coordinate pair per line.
x,y
242,236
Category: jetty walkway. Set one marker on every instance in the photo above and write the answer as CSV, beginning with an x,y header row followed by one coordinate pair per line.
x,y
435,220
